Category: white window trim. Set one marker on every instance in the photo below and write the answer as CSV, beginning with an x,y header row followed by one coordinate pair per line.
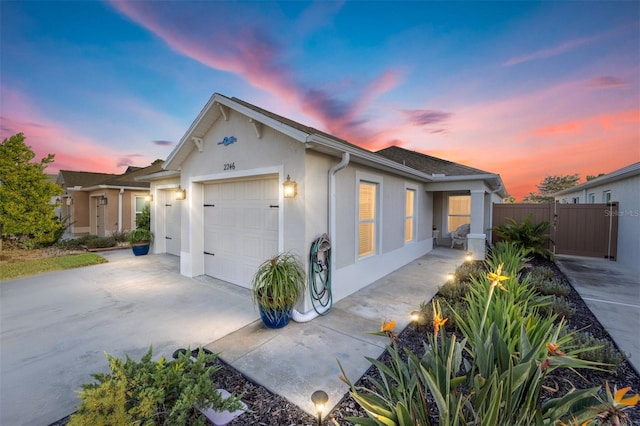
x,y
134,213
375,179
414,236
605,194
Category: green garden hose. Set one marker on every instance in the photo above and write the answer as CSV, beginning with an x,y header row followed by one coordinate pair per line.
x,y
320,275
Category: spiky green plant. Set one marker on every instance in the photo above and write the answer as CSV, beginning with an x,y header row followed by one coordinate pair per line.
x,y
527,234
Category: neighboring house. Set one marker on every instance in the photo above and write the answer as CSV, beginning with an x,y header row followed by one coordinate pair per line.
x,y
102,203
622,186
232,166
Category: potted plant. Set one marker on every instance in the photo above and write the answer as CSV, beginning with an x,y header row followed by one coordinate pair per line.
x,y
276,286
140,239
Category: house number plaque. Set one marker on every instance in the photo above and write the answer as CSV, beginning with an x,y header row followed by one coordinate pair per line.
x,y
229,166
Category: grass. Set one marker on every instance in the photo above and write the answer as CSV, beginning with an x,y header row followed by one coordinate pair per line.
x,y
38,266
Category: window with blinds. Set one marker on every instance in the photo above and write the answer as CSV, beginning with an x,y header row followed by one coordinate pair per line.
x,y
459,211
367,217
409,215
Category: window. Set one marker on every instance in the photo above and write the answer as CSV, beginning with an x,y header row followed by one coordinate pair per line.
x,y
367,218
575,200
606,196
409,215
592,198
459,211
141,202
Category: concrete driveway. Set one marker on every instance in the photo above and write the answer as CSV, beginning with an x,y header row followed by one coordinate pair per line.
x,y
55,328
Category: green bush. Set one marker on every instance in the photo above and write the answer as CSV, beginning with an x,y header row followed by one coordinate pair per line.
x,y
152,393
527,234
143,221
465,271
559,307
596,350
553,287
538,273
454,291
101,242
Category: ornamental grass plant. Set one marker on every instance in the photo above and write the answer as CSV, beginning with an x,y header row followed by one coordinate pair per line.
x,y
493,371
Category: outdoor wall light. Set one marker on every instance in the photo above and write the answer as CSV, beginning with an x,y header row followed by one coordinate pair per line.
x,y
320,399
181,194
290,188
69,201
103,200
149,197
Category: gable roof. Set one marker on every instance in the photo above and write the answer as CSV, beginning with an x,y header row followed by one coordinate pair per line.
x,y
623,173
415,165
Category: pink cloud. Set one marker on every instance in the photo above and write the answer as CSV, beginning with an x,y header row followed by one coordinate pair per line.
x,y
548,52
72,151
254,53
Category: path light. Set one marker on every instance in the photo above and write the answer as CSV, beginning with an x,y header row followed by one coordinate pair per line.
x,y
418,317
468,257
290,188
319,399
450,276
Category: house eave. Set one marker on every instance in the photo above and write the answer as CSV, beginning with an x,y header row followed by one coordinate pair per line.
x,y
623,173
165,174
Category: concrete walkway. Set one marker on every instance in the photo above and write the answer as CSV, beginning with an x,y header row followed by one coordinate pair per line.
x,y
612,292
300,358
56,327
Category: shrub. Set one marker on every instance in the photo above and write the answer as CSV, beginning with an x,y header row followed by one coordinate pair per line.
x,y
597,350
541,273
143,221
454,291
553,287
152,393
559,307
101,242
529,235
119,236
465,271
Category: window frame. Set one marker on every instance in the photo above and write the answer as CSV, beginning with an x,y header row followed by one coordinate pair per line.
x,y
134,217
413,216
606,196
376,181
449,215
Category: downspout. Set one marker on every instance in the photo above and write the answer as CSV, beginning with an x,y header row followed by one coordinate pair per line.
x,y
120,209
331,222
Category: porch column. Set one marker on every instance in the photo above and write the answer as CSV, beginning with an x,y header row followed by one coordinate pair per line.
x,y
476,238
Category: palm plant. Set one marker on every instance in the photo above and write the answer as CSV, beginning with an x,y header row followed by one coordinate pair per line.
x,y
528,235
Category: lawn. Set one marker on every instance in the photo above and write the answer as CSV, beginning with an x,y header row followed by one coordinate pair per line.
x,y
22,268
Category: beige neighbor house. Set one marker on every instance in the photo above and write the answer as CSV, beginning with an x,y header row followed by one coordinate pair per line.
x,y
621,186
234,170
101,203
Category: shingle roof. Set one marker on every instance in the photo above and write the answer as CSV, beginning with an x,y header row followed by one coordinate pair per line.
x,y
426,163
69,178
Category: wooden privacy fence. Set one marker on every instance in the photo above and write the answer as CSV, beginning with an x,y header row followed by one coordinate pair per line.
x,y
576,229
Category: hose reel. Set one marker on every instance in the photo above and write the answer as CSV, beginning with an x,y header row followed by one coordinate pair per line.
x,y
320,275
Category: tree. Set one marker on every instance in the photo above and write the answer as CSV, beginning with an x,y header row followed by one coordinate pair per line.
x,y
25,193
549,186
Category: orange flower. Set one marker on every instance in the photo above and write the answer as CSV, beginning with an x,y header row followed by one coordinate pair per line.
x,y
553,349
438,321
620,400
497,277
387,325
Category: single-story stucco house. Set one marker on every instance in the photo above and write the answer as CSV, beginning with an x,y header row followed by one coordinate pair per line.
x,y
621,186
102,203
379,209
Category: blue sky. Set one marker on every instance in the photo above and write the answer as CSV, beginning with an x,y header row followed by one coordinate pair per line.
x,y
524,89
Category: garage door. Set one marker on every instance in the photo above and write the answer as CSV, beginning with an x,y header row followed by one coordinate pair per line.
x,y
240,227
172,225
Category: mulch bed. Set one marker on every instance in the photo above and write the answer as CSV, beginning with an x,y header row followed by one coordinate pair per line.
x,y
267,408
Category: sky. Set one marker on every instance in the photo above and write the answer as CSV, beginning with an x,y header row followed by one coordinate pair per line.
x,y
523,89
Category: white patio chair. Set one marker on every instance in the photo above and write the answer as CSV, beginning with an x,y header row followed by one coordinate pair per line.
x,y
459,236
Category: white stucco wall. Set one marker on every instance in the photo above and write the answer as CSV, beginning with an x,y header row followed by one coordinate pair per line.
x,y
627,193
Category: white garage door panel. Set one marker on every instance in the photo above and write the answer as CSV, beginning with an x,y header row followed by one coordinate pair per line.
x,y
242,229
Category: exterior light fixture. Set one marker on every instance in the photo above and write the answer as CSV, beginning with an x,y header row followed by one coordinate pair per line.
x,y
290,188
418,317
69,201
320,399
450,276
468,257
149,197
103,200
181,194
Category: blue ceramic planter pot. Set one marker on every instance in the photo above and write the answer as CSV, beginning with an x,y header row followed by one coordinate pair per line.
x,y
140,250
274,318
